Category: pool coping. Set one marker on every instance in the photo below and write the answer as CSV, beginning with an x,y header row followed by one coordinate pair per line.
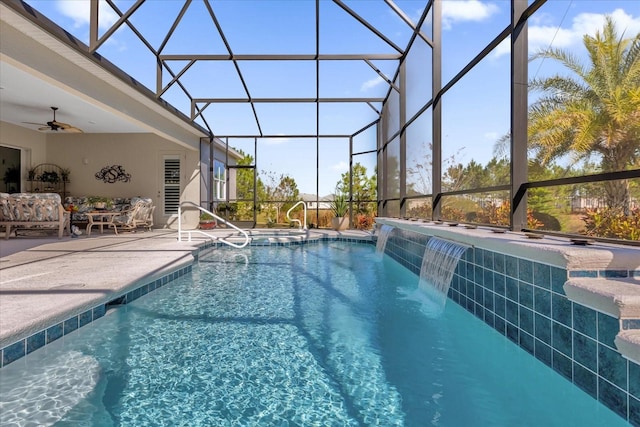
x,y
591,261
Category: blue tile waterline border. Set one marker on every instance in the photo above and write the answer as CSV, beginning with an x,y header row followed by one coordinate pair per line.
x,y
524,300
607,274
21,348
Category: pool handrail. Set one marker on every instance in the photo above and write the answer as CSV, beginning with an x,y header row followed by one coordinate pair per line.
x,y
304,205
247,239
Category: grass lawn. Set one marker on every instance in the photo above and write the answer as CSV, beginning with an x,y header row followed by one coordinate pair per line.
x,y
571,223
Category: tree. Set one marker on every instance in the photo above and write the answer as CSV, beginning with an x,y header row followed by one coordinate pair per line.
x,y
497,172
364,188
593,111
288,192
475,175
277,192
419,172
453,178
244,177
244,187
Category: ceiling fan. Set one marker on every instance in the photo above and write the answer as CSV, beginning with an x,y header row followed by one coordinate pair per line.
x,y
55,125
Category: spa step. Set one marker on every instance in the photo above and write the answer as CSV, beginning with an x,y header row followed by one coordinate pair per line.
x,y
619,298
628,343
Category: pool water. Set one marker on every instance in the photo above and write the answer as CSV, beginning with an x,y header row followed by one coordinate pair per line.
x,y
327,334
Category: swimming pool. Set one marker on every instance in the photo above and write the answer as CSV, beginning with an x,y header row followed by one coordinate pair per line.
x,y
318,334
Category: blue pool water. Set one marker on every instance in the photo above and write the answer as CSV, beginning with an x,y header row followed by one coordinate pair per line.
x,y
326,334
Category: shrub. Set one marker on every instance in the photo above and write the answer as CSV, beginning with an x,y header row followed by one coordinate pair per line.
x,y
451,213
364,222
228,210
612,223
422,210
499,215
550,222
204,216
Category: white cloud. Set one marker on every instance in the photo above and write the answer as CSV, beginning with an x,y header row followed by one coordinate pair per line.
x,y
491,136
340,167
78,11
416,15
376,81
465,10
542,36
274,141
504,48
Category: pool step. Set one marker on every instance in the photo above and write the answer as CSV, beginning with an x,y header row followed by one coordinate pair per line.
x,y
619,298
268,237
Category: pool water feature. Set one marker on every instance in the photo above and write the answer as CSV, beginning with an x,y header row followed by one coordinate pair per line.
x,y
324,334
438,264
383,236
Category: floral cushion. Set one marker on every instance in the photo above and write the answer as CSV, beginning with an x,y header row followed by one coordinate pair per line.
x,y
5,207
82,205
145,208
36,207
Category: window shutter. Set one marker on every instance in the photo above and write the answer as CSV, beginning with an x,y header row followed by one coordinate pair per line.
x,y
171,185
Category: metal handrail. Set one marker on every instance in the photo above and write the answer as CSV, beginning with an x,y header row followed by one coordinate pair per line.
x,y
304,205
247,239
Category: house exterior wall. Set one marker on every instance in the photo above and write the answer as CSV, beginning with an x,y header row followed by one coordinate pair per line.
x,y
139,154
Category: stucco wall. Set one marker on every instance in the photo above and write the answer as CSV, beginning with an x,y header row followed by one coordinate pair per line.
x,y
140,155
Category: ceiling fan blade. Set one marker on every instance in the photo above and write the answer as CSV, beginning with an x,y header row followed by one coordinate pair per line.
x,y
59,124
55,126
66,127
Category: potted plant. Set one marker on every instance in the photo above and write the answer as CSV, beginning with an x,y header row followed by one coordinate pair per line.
x,y
339,207
64,174
49,177
227,210
11,176
207,221
99,202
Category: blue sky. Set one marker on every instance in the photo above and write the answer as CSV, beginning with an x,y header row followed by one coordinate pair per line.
x,y
288,27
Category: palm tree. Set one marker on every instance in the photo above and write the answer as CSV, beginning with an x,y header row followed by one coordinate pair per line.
x,y
594,111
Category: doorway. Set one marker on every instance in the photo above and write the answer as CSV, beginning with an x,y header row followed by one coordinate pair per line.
x,y
11,169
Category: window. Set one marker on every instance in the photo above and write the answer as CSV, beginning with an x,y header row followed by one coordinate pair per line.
x,y
171,184
219,180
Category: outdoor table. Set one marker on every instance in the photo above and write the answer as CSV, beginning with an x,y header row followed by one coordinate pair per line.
x,y
101,218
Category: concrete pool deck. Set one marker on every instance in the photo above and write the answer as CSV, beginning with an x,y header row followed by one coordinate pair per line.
x,y
50,281
44,280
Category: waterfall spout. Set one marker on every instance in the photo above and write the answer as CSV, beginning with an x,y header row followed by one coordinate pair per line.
x,y
385,230
438,264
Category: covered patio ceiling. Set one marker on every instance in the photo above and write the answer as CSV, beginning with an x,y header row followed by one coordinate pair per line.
x,y
250,69
41,67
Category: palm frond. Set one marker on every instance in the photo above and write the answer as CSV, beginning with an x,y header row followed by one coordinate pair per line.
x,y
596,108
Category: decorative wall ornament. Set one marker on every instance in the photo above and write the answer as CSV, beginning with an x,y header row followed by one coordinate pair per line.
x,y
113,174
